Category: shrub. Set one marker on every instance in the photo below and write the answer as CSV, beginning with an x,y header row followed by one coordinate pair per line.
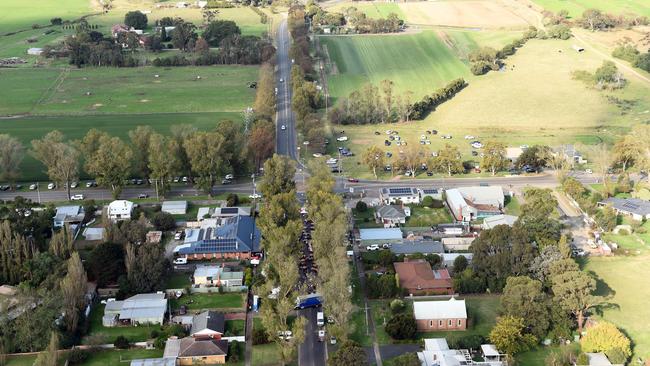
x,y
56,21
361,206
78,356
438,204
260,336
582,360
427,201
232,200
623,232
397,306
627,52
480,68
401,326
154,333
135,19
560,31
163,221
234,351
121,342
617,356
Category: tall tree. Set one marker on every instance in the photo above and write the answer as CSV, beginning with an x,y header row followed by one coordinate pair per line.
x,y
219,30
15,252
279,172
264,105
73,287
60,158
11,155
602,158
49,356
62,243
509,337
448,160
207,155
524,298
261,142
573,291
350,353
180,133
413,157
374,158
494,157
111,163
234,140
140,140
164,161
387,90
628,150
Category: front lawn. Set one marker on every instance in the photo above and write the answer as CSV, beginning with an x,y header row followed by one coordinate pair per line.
x,y
266,355
427,217
381,314
512,206
133,334
209,301
365,219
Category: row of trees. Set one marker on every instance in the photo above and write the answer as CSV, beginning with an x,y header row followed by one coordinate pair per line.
x,y
485,59
353,19
205,155
629,52
281,225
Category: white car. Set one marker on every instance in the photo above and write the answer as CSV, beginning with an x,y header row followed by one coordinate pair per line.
x,y
305,143
286,335
32,187
332,161
283,127
423,137
255,196
388,132
51,186
229,177
588,171
89,184
469,137
74,185
77,197
184,179
372,248
281,80
446,137
477,145
317,155
342,138
180,260
178,235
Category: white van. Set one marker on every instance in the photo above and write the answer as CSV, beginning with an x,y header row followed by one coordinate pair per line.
x,y
180,260
320,319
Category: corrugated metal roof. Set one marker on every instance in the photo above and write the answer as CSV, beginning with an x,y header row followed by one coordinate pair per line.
x,y
380,234
451,309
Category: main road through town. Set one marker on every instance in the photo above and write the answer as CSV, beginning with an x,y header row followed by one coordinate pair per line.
x,y
285,122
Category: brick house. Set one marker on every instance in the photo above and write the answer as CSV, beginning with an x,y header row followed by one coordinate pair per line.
x,y
440,315
418,278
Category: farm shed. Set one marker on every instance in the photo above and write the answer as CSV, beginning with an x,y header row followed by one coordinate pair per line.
x,y
175,207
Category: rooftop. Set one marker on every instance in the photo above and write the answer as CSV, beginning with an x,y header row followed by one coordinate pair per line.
x,y
418,274
450,309
216,271
632,205
399,191
391,212
492,221
211,320
192,347
380,234
170,361
424,247
238,234
139,306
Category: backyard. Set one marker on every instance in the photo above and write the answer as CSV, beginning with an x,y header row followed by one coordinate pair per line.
x,y
425,216
97,330
208,301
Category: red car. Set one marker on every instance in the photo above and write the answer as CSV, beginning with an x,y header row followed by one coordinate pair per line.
x,y
353,180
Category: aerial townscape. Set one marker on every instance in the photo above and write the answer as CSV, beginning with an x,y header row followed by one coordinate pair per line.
x,y
325,182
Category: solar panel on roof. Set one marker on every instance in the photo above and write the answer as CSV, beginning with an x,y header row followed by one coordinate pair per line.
x,y
229,210
631,205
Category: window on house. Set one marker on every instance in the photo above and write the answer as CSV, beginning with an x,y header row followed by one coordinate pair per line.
x,y
449,322
460,322
440,323
431,323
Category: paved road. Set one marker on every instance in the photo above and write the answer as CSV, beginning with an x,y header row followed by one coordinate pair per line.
x,y
285,139
311,351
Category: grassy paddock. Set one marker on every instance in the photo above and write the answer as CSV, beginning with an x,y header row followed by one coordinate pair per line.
x,y
18,14
370,59
577,7
373,10
425,216
210,301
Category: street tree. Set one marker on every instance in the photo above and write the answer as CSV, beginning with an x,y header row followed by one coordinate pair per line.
x,y
494,157
264,105
279,172
448,160
11,156
164,161
111,163
350,353
412,158
374,158
556,160
207,155
140,139
61,159
602,159
573,291
509,336
73,287
532,157
180,133
234,141
537,217
261,142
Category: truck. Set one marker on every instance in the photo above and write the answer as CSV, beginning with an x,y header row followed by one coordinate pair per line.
x,y
320,319
308,301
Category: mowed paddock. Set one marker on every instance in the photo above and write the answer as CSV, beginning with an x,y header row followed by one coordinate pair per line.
x,y
577,7
419,63
534,101
469,13
126,90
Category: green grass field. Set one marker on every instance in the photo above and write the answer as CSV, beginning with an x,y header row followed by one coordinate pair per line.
x,y
420,62
133,334
209,301
577,7
126,90
425,216
18,14
620,278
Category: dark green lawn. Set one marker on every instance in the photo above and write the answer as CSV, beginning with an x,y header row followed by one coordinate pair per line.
x,y
178,281
120,357
425,216
365,219
133,334
210,301
235,327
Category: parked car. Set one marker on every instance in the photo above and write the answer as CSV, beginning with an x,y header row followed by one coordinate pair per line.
x,y
74,185
143,195
32,187
588,171
255,196
51,186
469,137
429,174
386,245
226,181
353,180
321,335
178,235
77,197
90,184
372,248
377,133
180,260
317,155
342,138
332,340
283,127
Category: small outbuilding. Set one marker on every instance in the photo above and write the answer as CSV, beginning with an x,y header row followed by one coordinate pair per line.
x,y
35,51
120,210
577,48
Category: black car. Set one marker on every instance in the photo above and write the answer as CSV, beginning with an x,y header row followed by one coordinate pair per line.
x,y
377,133
474,153
430,174
435,132
389,154
386,142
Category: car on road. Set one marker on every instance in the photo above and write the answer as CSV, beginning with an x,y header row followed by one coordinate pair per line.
x,y
281,80
589,171
229,177
255,196
32,187
342,138
180,260
226,181
321,335
320,319
74,185
353,180
372,248
283,127
77,197
51,186
143,195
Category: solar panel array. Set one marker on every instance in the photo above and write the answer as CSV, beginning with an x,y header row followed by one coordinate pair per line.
x,y
430,191
216,246
229,210
631,206
401,191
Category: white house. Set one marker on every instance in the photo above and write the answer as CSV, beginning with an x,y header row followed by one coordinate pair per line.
x,y
68,215
35,51
636,208
138,309
437,353
471,203
392,215
206,275
120,210
404,195
434,193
